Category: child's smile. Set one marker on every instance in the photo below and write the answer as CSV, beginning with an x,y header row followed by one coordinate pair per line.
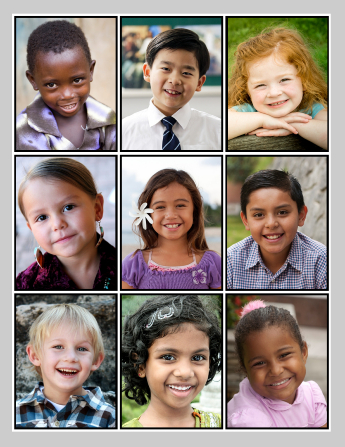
x,y
173,211
66,361
177,367
63,80
273,220
174,78
274,363
274,87
62,217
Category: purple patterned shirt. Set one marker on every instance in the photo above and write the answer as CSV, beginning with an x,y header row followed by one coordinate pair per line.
x,y
37,130
53,277
205,275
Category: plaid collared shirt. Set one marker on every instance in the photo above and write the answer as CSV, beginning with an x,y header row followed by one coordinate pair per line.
x,y
90,410
304,268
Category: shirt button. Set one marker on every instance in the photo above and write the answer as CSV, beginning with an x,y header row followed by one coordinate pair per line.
x,y
57,423
273,280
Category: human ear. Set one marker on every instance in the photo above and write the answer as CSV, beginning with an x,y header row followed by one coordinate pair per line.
x,y
302,216
141,371
201,82
28,225
98,362
31,79
92,67
33,357
99,203
146,71
245,221
305,352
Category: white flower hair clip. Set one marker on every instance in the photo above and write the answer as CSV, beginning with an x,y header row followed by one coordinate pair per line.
x,y
141,214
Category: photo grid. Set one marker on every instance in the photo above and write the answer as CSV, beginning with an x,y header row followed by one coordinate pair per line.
x,y
236,206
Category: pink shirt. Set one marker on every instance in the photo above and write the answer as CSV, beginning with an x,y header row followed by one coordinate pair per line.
x,y
249,409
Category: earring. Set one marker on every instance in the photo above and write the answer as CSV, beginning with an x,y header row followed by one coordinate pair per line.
x,y
102,233
39,256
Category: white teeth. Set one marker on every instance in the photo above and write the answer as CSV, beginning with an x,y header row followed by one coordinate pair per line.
x,y
277,103
180,388
68,107
68,370
276,236
280,383
172,92
172,226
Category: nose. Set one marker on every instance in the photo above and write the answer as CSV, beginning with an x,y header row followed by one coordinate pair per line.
x,y
174,78
276,368
70,355
184,370
274,90
67,92
271,222
58,223
170,212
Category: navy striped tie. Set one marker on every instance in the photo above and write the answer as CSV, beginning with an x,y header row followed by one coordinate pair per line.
x,y
170,140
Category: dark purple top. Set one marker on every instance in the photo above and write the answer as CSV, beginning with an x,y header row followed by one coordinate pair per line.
x,y
205,275
53,277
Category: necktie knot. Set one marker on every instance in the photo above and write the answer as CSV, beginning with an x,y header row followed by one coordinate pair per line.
x,y
168,122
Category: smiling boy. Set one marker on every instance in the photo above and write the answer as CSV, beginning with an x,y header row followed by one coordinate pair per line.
x,y
276,255
176,65
65,348
63,116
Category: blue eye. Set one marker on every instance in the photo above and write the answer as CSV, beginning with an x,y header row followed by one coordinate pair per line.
x,y
58,347
82,349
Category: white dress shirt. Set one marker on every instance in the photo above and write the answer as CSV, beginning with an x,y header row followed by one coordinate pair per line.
x,y
196,131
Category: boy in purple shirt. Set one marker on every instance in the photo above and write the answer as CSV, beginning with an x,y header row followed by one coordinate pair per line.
x,y
276,255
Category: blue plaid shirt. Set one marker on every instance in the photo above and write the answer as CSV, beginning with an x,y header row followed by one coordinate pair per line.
x,y
90,410
304,268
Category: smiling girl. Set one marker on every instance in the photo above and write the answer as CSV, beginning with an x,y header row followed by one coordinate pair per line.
x,y
273,356
61,205
275,76
175,253
171,349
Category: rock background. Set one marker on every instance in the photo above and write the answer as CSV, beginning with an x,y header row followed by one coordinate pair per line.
x,y
311,172
102,307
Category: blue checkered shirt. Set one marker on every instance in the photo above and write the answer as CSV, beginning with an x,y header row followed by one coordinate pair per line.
x,y
304,268
90,410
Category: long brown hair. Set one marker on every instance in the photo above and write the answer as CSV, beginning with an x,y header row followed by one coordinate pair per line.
x,y
288,45
196,235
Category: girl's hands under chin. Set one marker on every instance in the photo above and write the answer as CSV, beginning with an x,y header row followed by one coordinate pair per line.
x,y
280,127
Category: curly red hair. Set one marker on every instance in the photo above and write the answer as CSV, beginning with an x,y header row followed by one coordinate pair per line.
x,y
289,46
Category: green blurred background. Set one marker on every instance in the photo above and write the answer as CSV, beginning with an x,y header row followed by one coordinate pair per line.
x,y
313,29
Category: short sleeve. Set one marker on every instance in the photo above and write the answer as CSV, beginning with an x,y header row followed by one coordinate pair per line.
x,y
228,271
132,270
215,271
317,107
244,108
320,405
249,418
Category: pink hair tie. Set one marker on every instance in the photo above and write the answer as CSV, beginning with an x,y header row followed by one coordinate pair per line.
x,y
252,305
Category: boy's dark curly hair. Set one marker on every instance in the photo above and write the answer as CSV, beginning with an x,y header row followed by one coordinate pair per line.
x,y
56,36
258,320
143,327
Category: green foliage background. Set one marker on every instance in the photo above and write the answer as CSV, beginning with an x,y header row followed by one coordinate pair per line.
x,y
313,29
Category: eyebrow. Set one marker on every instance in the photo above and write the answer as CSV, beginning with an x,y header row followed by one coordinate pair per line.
x,y
163,201
62,340
188,67
52,79
280,75
285,205
277,352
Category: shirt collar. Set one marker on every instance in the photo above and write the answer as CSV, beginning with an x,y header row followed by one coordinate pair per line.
x,y
276,404
294,258
41,118
93,398
182,116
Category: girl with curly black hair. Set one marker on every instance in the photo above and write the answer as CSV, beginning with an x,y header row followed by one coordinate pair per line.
x,y
171,349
